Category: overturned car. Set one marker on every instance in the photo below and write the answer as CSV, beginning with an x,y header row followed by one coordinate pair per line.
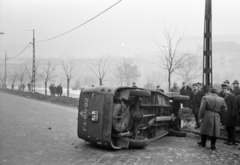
x,y
123,117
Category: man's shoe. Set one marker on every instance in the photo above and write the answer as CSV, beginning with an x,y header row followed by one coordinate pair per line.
x,y
226,142
231,143
213,147
201,144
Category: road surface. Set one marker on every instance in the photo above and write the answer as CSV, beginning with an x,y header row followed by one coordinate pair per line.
x,y
34,133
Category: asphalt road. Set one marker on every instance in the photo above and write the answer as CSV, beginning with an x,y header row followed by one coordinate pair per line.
x,y
34,132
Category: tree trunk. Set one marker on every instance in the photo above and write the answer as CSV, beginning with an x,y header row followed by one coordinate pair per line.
x,y
100,81
46,87
68,81
169,81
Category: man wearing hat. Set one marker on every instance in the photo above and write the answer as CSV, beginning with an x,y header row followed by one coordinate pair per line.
x,y
199,85
134,85
230,118
224,85
159,89
195,99
175,88
238,107
236,89
186,91
212,105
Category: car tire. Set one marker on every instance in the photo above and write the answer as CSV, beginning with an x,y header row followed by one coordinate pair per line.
x,y
138,143
177,133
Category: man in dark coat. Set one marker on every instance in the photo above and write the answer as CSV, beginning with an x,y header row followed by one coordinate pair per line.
x,y
175,88
236,89
134,85
59,90
211,107
159,89
50,89
53,90
230,118
29,87
238,107
199,85
195,98
186,90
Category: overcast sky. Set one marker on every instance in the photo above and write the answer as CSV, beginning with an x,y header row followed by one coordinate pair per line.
x,y
126,29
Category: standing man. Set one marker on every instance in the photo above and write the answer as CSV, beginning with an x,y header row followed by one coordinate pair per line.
x,y
23,87
230,118
29,87
53,90
199,85
211,107
238,107
175,88
134,85
159,89
186,90
236,89
59,90
195,98
50,89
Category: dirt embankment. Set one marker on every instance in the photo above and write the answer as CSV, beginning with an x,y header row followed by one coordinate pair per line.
x,y
63,100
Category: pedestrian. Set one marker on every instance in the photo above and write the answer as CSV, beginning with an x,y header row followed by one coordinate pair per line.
x,y
59,90
19,87
53,90
12,86
199,85
236,89
186,91
175,88
23,87
159,89
29,87
230,118
50,89
195,99
134,85
211,107
238,107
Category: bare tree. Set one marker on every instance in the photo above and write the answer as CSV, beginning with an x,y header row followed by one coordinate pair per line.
x,y
170,59
118,76
100,68
127,72
191,70
13,76
21,73
157,77
48,74
69,72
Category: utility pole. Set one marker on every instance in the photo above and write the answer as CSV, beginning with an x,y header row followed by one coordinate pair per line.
x,y
5,73
33,64
207,45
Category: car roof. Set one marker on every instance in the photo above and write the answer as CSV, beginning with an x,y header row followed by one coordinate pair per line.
x,y
113,89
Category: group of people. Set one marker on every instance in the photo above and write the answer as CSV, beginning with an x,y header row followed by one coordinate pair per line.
x,y
212,109
21,87
55,90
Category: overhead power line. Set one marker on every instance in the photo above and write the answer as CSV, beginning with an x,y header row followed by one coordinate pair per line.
x,y
80,24
19,53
